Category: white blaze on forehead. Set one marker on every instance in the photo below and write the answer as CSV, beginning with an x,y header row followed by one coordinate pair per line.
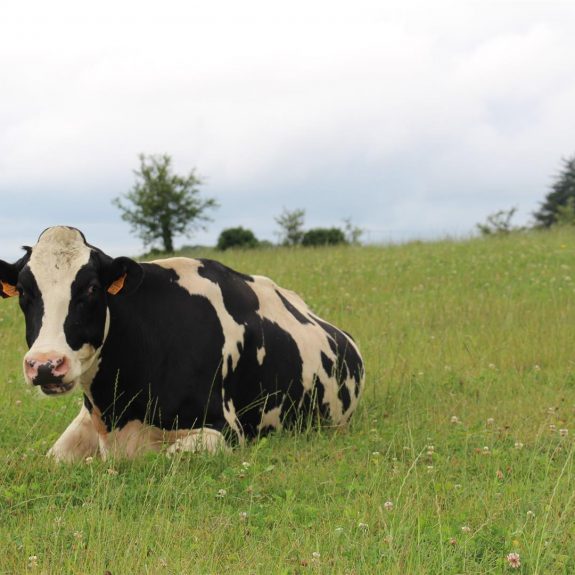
x,y
55,261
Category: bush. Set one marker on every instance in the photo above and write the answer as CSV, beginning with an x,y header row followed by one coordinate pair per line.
x,y
237,238
323,237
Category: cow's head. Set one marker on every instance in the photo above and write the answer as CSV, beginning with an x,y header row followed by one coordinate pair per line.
x,y
64,285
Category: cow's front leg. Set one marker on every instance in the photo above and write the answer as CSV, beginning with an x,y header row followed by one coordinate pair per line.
x,y
196,440
80,440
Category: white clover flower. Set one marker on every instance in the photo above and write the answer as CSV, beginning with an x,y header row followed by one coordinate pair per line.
x,y
514,560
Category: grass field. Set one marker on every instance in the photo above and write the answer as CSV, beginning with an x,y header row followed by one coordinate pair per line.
x,y
461,451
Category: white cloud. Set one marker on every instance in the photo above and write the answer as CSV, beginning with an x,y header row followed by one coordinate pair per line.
x,y
411,116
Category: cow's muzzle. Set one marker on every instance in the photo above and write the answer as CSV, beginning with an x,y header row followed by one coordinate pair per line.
x,y
48,370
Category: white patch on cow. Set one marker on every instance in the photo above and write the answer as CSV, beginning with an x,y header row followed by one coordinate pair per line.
x,y
203,439
195,284
56,259
271,418
261,354
79,440
232,418
311,340
131,440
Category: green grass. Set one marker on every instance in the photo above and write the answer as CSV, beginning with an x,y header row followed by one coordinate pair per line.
x,y
470,350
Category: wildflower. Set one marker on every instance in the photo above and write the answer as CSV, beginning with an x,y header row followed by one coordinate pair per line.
x,y
339,530
492,366
245,464
518,445
466,529
363,526
221,493
162,562
455,419
486,450
537,367
490,421
112,471
375,453
33,561
551,411
563,432
530,514
457,486
78,535
316,555
388,505
452,541
429,468
514,560
243,516
88,460
552,427
18,402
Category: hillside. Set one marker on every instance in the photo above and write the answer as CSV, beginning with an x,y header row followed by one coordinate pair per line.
x,y
460,453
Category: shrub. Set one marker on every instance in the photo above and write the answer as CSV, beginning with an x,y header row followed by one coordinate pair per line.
x,y
237,238
323,237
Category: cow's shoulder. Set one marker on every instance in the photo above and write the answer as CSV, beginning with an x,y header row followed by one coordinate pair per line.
x,y
229,291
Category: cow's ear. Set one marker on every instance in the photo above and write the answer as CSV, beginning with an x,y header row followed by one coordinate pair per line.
x,y
8,279
125,276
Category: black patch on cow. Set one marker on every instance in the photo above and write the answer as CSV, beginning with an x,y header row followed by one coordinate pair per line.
x,y
31,304
161,361
239,298
327,364
277,381
86,318
292,309
349,362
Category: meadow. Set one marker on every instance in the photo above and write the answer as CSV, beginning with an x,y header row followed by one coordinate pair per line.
x,y
460,454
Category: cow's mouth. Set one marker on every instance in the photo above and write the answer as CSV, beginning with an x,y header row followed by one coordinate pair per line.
x,y
57,388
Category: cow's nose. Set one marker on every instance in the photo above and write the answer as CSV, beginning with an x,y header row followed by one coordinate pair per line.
x,y
46,367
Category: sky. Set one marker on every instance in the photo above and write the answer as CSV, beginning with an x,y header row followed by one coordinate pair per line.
x,y
416,119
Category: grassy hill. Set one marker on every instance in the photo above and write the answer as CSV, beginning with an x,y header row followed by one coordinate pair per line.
x,y
460,453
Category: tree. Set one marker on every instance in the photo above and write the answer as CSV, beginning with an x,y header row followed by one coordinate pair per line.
x,y
352,233
562,189
164,204
323,237
291,224
498,223
237,238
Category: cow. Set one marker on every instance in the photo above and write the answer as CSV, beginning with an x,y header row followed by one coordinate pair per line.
x,y
177,354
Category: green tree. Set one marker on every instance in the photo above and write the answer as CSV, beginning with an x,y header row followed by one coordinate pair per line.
x,y
323,237
352,233
566,214
162,205
237,238
498,223
291,224
562,189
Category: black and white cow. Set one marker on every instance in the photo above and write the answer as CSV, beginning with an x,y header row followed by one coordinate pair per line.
x,y
177,352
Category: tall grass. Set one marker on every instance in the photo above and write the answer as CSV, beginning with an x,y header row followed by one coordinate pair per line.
x,y
461,451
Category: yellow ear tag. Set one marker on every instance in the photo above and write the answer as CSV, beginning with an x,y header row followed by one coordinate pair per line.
x,y
8,289
116,286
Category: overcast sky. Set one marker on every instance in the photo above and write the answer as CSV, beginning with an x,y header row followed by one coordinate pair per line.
x,y
415,119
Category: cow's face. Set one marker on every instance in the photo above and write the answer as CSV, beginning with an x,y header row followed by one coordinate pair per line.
x,y
64,286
